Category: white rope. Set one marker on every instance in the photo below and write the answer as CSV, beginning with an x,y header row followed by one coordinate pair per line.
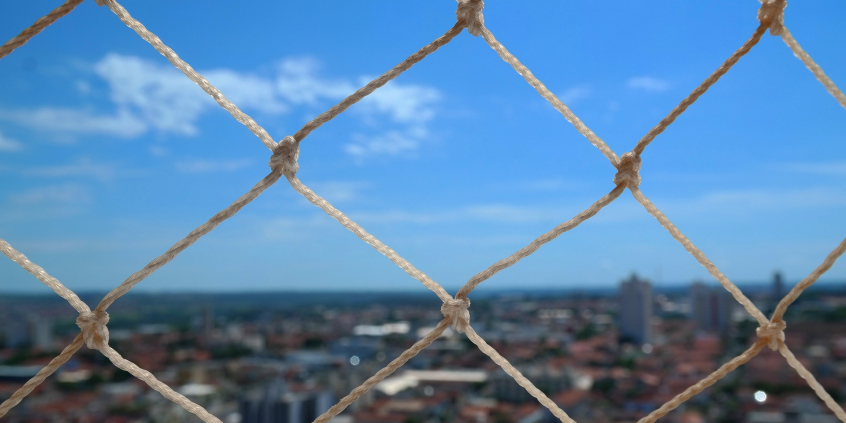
x,y
549,96
37,27
191,238
812,382
516,375
368,238
539,242
800,53
42,375
384,372
43,276
700,256
157,385
180,64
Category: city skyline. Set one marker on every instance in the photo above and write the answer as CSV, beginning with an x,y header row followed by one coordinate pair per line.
x,y
258,359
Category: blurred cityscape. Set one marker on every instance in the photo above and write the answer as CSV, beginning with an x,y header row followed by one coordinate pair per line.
x,y
602,355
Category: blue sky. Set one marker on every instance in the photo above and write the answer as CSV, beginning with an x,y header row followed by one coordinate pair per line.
x,y
109,155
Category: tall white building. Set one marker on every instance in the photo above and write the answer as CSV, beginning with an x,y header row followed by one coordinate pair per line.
x,y
636,310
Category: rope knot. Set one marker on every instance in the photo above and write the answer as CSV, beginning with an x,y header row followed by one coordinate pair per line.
x,y
455,309
285,155
93,326
470,12
771,14
773,332
628,171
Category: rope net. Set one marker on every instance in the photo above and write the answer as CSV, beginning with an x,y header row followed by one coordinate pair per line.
x,y
283,163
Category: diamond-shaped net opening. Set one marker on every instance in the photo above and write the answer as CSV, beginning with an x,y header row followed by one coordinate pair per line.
x,y
283,163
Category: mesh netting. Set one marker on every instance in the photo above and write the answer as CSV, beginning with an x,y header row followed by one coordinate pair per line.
x,y
283,163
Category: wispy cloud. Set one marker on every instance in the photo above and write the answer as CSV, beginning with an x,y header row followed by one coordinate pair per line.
x,y
85,121
84,167
166,100
149,95
576,93
212,166
499,213
339,191
388,143
548,184
53,194
299,82
159,151
9,145
837,168
748,202
409,108
402,103
648,83
727,204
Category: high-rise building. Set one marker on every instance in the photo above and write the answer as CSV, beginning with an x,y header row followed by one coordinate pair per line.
x,y
275,403
711,308
41,329
778,287
636,310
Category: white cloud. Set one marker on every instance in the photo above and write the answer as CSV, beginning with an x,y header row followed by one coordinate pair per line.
x,y
83,86
550,184
161,96
159,151
411,107
210,166
837,168
152,95
389,143
9,145
648,83
339,191
65,121
81,168
726,204
576,93
54,194
403,103
246,91
751,201
298,82
499,213
290,229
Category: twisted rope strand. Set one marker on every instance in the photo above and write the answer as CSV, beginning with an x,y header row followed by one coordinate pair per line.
x,y
699,255
812,382
191,238
385,372
539,242
378,82
808,281
549,96
185,68
701,89
812,66
283,162
38,26
704,383
42,375
43,276
367,237
157,385
518,377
